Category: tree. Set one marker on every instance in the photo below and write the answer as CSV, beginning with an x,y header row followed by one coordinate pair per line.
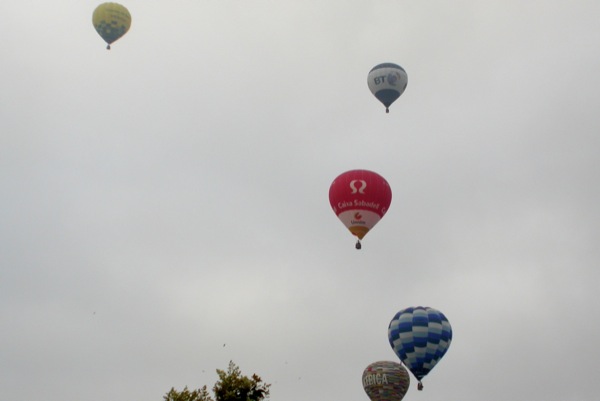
x,y
231,386
186,395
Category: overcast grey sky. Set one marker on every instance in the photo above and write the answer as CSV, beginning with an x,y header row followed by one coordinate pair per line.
x,y
170,196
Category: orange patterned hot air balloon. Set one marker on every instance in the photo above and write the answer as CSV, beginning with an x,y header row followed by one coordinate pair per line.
x,y
385,381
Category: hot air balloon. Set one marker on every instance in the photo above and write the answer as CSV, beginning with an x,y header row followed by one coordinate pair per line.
x,y
420,336
387,82
360,198
385,381
111,21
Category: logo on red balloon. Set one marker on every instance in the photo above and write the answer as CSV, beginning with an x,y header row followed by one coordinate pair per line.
x,y
361,190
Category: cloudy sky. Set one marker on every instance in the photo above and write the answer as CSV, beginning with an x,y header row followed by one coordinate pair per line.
x,y
164,205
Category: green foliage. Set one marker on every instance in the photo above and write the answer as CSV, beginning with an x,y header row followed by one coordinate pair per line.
x,y
231,386
186,395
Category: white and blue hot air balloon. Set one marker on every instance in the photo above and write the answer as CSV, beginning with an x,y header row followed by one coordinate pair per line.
x,y
420,336
387,81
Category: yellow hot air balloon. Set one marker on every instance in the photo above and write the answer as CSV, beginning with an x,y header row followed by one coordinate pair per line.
x,y
111,21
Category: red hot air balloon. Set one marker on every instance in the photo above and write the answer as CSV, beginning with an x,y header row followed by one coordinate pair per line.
x,y
360,198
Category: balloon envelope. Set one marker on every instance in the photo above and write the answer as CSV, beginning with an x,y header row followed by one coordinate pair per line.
x,y
387,81
111,21
385,381
360,198
420,336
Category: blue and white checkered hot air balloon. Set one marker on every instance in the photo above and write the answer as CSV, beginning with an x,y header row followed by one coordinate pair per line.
x,y
420,336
